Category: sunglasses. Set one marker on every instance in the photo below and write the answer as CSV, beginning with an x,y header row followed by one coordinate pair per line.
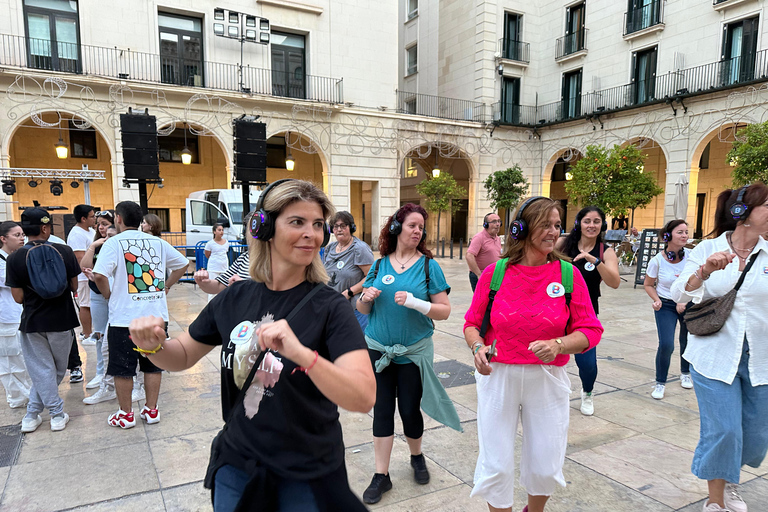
x,y
104,213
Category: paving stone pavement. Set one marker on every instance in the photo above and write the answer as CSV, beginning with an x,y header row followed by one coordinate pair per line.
x,y
634,454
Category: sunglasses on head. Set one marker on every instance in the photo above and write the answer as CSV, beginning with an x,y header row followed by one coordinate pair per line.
x,y
103,213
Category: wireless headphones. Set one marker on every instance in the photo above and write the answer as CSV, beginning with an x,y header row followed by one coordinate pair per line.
x,y
263,222
667,237
396,227
739,209
518,230
603,226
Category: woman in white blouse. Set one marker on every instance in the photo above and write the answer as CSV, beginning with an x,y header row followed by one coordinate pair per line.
x,y
730,368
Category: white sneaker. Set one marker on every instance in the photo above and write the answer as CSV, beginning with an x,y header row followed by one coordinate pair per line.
x,y
95,382
30,424
658,391
587,405
102,395
686,381
713,507
16,405
138,394
733,500
59,422
90,340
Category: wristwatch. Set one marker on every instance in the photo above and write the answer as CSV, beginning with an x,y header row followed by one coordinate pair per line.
x,y
350,293
598,261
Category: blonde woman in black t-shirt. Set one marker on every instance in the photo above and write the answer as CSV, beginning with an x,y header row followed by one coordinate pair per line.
x,y
281,446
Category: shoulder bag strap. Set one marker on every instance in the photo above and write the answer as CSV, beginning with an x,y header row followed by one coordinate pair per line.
x,y
252,374
2,257
426,271
498,277
746,269
376,268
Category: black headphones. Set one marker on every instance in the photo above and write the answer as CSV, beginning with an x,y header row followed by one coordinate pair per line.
x,y
667,237
396,227
352,225
518,230
263,222
739,209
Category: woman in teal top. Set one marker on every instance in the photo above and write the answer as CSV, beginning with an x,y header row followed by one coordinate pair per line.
x,y
404,291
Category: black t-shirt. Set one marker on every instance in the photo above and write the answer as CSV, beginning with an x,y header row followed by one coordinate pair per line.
x,y
294,429
43,315
591,277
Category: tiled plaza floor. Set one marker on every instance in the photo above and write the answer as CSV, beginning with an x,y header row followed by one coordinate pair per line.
x,y
634,454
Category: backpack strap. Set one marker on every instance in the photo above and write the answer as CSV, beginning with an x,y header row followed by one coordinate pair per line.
x,y
426,271
566,271
498,277
376,268
2,257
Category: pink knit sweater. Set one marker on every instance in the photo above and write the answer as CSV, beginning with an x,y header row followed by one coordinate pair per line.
x,y
523,312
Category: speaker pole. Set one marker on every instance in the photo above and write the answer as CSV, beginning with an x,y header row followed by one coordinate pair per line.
x,y
143,196
245,186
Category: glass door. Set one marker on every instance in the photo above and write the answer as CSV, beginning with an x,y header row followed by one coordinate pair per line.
x,y
181,50
52,35
644,76
288,65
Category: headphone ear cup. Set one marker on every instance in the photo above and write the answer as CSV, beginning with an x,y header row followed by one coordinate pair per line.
x,y
666,237
262,227
395,227
352,228
604,227
485,225
423,236
327,234
518,229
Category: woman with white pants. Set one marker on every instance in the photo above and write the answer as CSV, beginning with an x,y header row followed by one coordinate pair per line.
x,y
534,323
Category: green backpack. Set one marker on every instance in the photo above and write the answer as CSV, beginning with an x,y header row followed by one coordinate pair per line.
x,y
498,276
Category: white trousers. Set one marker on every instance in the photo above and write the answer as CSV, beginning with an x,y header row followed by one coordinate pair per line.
x,y
538,396
13,371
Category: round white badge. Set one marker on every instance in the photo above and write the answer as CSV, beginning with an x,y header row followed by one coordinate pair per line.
x,y
589,267
340,264
388,279
555,290
242,333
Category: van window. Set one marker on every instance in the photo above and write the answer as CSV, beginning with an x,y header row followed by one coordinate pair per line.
x,y
236,211
203,214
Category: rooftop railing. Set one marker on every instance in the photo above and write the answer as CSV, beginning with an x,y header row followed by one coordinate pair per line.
x,y
125,64
438,106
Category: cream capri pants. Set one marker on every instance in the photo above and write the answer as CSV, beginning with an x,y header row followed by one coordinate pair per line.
x,y
539,396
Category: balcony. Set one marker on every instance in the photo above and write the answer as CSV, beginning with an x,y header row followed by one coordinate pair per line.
x,y
516,51
643,20
22,52
720,5
665,88
571,45
440,107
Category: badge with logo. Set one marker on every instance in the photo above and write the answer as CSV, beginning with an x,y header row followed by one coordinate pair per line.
x,y
589,267
555,290
388,279
340,264
242,333
765,271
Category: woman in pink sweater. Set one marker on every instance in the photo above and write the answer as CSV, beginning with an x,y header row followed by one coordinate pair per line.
x,y
525,380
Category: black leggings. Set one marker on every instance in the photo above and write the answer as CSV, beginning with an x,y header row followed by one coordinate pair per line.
x,y
401,381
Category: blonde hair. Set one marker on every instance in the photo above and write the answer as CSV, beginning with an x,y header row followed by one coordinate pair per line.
x,y
279,198
535,215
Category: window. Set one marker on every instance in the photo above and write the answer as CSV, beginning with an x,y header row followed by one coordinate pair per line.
x,y
203,213
411,171
165,216
412,55
413,9
183,220
181,50
172,145
510,100
571,96
643,87
513,26
574,30
52,35
288,65
739,51
82,141
642,14
276,152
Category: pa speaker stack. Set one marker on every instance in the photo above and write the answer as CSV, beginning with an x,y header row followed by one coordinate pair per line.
x,y
140,148
250,146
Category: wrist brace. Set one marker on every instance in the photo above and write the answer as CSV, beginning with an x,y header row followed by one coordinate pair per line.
x,y
419,305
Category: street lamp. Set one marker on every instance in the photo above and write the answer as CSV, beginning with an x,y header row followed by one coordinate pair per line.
x,y
186,154
568,176
290,163
241,27
436,168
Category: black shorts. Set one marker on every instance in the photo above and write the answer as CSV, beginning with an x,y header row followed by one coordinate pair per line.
x,y
122,357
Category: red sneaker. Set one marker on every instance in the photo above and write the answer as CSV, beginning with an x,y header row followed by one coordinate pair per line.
x,y
122,419
150,415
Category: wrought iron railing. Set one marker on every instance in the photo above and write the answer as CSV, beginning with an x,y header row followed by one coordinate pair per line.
x,y
127,64
643,17
715,2
571,43
515,50
438,106
677,84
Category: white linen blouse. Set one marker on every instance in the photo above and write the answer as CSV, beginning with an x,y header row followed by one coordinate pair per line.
x,y
717,356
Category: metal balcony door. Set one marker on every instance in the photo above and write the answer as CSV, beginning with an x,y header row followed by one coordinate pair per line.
x,y
52,41
571,98
512,35
644,76
574,29
510,100
288,66
739,51
181,51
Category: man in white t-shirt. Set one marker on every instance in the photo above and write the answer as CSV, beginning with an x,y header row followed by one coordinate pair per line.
x,y
137,262
79,239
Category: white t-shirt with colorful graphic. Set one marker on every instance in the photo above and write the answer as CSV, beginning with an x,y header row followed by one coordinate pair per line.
x,y
138,262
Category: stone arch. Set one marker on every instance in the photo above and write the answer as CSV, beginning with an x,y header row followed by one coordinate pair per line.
x,y
554,186
311,161
656,162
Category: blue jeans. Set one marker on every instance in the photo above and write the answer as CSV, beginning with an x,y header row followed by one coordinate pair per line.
x,y
733,424
666,318
361,319
100,318
292,495
587,363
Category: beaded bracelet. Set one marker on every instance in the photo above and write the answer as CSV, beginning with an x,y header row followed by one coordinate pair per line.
x,y
306,370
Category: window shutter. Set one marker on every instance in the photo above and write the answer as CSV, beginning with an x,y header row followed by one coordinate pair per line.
x,y
568,20
724,48
652,62
564,91
634,67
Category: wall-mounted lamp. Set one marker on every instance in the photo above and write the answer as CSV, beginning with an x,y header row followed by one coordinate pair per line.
x,y
290,163
186,154
568,176
61,149
501,69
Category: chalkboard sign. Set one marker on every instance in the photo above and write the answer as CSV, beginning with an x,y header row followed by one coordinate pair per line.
x,y
650,244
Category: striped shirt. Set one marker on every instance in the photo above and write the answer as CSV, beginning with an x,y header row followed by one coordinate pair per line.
x,y
239,267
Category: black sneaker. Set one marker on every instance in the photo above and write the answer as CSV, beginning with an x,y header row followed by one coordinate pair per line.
x,y
420,473
75,375
379,485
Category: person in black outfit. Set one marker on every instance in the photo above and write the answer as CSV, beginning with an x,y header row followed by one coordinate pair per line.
x,y
281,447
597,263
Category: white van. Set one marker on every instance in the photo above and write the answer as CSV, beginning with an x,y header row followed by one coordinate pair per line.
x,y
207,207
